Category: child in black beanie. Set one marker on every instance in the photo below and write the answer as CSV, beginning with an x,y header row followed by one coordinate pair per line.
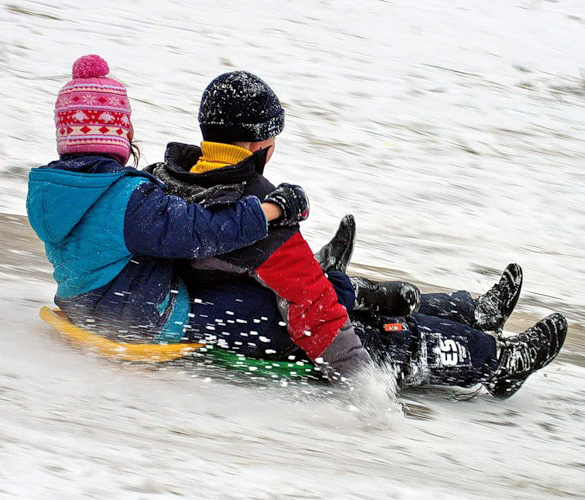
x,y
240,117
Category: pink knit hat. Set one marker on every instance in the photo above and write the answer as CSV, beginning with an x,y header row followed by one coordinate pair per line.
x,y
92,112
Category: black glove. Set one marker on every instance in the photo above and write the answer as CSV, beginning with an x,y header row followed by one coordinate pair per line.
x,y
392,298
293,202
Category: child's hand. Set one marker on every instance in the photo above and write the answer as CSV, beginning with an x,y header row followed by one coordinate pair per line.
x,y
391,298
293,202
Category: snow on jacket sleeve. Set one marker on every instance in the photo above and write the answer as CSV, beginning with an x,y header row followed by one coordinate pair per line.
x,y
316,319
166,226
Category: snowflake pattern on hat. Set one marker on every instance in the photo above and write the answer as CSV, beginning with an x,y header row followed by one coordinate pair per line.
x,y
92,112
79,116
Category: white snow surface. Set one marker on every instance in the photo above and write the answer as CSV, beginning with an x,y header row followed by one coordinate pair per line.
x,y
453,131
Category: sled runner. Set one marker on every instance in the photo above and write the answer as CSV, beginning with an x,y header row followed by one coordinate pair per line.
x,y
158,353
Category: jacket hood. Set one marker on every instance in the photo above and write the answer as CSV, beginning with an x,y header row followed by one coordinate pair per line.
x,y
61,193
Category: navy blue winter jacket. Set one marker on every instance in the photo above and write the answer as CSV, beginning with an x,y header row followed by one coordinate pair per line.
x,y
111,234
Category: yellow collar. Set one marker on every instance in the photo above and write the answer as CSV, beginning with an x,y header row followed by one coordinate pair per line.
x,y
217,155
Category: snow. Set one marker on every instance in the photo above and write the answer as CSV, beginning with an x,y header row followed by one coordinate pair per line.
x,y
452,130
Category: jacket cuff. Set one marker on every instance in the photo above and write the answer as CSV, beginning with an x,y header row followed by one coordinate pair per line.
x,y
256,206
345,356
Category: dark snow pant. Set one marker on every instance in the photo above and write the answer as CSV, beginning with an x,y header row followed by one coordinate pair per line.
x,y
457,306
243,316
428,350
439,345
436,346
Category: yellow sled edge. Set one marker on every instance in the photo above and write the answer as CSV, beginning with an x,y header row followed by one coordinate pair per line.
x,y
116,350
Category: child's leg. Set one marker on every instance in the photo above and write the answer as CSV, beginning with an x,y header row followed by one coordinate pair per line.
x,y
343,288
457,306
429,350
456,354
241,316
488,312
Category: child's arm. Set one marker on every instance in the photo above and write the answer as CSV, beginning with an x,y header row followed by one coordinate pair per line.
x,y
316,321
161,225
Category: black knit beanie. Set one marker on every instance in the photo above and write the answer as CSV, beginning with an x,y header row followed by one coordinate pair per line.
x,y
239,107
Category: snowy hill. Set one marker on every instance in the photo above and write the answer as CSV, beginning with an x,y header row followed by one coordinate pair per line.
x,y
453,131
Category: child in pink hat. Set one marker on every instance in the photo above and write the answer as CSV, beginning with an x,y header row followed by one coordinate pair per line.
x,y
112,233
92,112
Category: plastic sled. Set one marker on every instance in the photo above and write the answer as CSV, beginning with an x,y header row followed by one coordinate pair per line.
x,y
109,348
157,353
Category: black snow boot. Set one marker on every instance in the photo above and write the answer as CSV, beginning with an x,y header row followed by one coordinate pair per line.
x,y
493,308
336,254
523,354
390,298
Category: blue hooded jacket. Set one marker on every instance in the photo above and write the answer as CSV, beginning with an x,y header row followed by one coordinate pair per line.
x,y
111,234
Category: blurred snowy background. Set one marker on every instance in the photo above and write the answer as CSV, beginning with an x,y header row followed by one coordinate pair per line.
x,y
452,129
